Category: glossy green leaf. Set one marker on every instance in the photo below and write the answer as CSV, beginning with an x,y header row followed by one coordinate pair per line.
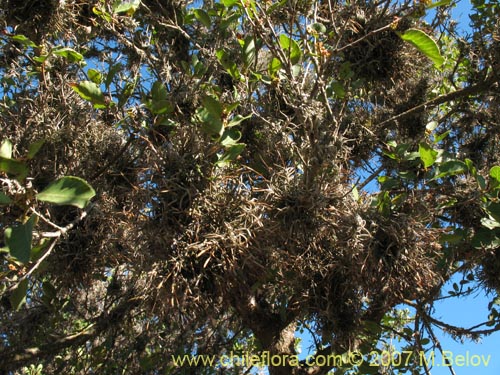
x,y
450,168
69,190
4,199
88,90
230,3
95,76
249,50
291,48
495,173
427,154
69,54
440,137
18,240
23,40
424,44
18,298
6,149
34,148
274,66
203,17
126,6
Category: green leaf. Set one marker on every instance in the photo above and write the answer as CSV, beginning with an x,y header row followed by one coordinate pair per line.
x,y
126,6
23,40
4,199
249,50
213,106
495,173
291,47
127,92
14,167
18,297
95,76
450,168
236,120
88,90
440,137
424,44
493,210
274,66
18,240
228,63
68,53
318,28
203,17
212,125
338,89
230,3
159,99
427,154
68,190
112,72
34,148
231,154
230,137
438,4
6,149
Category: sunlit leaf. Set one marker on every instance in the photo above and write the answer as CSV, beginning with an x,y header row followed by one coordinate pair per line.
x,y
126,6
69,54
18,240
68,190
274,66
6,149
495,173
88,90
23,40
450,168
291,48
424,44
95,76
439,4
230,137
427,154
236,120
